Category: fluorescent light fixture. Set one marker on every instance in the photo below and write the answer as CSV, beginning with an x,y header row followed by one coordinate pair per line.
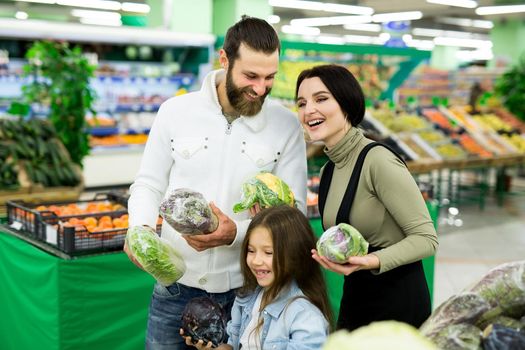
x,y
498,10
21,15
330,39
474,55
39,1
426,45
273,19
103,15
101,22
430,32
135,7
35,29
365,39
320,6
474,43
466,22
364,27
397,16
470,4
95,4
288,29
329,21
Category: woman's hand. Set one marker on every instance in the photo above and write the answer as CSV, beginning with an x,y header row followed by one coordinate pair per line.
x,y
355,263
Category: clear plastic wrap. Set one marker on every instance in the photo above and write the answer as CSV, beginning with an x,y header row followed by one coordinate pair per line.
x,y
188,212
266,189
155,255
498,297
340,242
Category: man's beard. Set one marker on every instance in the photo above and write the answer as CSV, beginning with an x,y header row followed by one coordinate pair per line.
x,y
239,102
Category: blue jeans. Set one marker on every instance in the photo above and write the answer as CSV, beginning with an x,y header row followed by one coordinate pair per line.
x,y
165,313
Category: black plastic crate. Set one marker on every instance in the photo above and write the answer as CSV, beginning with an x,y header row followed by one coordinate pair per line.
x,y
74,234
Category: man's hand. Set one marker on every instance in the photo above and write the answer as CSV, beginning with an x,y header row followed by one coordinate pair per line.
x,y
223,235
355,263
131,257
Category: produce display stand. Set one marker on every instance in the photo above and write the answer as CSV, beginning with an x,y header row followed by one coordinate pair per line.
x,y
335,281
55,302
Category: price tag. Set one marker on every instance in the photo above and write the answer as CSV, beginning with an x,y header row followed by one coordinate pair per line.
x,y
51,234
16,225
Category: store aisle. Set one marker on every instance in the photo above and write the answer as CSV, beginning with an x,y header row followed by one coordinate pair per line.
x,y
486,239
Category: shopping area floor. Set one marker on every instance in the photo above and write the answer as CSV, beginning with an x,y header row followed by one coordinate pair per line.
x,y
487,238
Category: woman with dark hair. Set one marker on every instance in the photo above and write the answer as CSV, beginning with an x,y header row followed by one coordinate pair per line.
x,y
370,188
283,302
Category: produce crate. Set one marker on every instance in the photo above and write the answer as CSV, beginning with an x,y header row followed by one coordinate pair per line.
x,y
69,231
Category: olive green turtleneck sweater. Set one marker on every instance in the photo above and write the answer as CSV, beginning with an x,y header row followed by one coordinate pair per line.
x,y
388,208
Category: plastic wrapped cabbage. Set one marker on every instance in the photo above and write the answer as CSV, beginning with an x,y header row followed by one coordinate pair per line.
x,y
204,319
266,189
188,212
381,335
155,255
340,242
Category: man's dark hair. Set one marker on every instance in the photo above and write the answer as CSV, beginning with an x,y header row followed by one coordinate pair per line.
x,y
343,86
255,33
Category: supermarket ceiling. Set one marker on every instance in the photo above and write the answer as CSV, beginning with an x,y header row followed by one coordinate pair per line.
x,y
329,21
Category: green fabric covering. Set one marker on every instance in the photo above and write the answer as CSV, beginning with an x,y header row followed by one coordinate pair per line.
x,y
98,302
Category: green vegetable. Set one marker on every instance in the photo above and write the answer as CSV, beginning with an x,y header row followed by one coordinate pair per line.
x,y
382,335
462,336
266,189
155,255
340,242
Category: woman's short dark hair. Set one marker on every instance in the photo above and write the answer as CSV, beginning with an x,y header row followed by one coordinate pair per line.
x,y
255,33
343,86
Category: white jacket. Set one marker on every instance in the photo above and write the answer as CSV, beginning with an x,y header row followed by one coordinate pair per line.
x,y
191,145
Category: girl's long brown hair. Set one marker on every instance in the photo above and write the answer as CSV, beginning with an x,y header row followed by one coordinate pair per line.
x,y
293,240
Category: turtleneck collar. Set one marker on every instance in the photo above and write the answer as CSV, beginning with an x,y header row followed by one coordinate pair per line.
x,y
340,153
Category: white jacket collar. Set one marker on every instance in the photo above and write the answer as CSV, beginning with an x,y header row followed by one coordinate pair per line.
x,y
209,88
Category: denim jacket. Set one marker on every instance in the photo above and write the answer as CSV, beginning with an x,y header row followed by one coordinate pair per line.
x,y
290,322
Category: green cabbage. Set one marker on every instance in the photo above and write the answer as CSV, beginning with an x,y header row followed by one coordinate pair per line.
x,y
266,189
155,255
391,335
340,242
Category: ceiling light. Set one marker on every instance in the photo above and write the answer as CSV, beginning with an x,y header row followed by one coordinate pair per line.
x,y
365,39
497,10
458,3
135,7
474,55
474,43
397,16
101,22
273,19
438,32
104,15
330,39
21,15
95,4
329,21
364,27
39,1
466,22
300,30
320,6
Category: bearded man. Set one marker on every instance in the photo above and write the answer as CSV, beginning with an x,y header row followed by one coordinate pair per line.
x,y
211,141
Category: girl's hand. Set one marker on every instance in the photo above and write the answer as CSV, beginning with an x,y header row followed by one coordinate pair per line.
x,y
355,263
199,345
254,209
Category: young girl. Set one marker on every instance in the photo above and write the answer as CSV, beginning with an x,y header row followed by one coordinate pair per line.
x,y
283,303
